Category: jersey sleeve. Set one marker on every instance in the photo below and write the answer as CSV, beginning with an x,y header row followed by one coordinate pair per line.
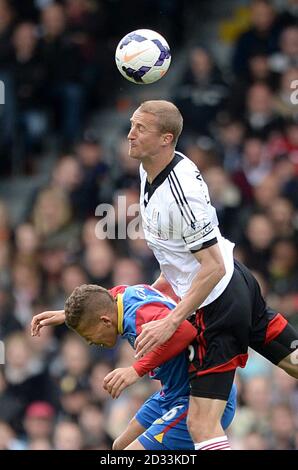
x,y
150,311
182,337
193,217
114,291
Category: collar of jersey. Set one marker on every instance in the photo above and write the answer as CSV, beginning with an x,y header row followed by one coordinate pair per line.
x,y
160,178
120,308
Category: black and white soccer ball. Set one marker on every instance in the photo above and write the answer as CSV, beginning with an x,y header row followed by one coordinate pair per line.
x,y
143,56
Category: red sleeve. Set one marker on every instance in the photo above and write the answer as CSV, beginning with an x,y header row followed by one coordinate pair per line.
x,y
149,312
117,290
182,337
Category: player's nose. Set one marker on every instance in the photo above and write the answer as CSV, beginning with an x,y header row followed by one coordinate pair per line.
x,y
131,134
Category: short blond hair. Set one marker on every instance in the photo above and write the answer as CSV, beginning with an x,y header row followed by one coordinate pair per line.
x,y
169,117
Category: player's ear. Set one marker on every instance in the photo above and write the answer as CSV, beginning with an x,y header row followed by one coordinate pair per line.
x,y
168,138
106,320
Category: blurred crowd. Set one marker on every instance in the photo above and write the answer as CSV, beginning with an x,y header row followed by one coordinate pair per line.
x,y
241,129
57,60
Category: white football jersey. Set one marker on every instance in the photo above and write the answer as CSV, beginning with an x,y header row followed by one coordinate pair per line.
x,y
178,220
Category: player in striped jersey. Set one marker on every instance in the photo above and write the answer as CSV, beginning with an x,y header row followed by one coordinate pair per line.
x,y
100,316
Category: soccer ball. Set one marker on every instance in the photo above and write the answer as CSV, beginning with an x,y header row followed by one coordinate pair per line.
x,y
143,56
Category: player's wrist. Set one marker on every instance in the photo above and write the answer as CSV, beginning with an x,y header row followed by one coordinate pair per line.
x,y
134,372
139,368
173,321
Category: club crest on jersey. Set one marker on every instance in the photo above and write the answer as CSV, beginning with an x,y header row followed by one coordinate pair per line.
x,y
153,225
155,216
155,232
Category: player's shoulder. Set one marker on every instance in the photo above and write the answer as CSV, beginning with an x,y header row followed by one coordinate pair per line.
x,y
139,290
182,178
144,293
185,167
114,291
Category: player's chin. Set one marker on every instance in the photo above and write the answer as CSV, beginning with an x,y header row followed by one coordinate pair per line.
x,y
110,344
133,153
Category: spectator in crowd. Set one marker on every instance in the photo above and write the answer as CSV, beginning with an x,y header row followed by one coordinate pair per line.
x,y
242,133
262,35
202,92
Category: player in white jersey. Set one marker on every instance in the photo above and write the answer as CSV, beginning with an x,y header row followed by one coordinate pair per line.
x,y
167,214
196,262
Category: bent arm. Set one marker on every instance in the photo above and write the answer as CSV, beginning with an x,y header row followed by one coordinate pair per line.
x,y
119,379
183,336
211,272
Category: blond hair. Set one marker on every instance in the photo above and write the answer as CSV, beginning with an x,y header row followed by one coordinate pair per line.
x,y
168,115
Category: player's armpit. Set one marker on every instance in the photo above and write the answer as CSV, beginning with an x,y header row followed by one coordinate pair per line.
x,y
182,337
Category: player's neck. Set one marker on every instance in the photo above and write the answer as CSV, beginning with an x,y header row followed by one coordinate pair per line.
x,y
155,165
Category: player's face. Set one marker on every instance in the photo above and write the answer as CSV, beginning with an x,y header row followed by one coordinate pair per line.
x,y
145,138
103,334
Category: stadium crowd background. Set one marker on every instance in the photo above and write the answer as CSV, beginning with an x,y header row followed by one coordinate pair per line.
x,y
241,128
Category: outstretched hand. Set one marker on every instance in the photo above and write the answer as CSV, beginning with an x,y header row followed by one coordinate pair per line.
x,y
119,379
153,334
50,318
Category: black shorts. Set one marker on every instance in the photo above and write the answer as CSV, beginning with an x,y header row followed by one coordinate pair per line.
x,y
239,318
